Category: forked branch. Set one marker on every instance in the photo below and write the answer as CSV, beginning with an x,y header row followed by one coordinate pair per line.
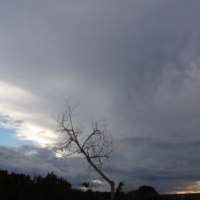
x,y
96,146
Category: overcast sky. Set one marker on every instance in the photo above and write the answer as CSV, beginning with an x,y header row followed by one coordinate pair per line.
x,y
134,63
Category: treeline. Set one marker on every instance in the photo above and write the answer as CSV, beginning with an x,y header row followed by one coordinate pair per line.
x,y
22,187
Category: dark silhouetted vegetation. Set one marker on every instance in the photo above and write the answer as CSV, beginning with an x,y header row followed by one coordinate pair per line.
x,y
144,193
23,187
181,197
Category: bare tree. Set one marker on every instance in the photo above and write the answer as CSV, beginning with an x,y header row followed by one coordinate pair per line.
x,y
95,146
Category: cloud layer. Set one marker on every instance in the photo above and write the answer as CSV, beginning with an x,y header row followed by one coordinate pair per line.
x,y
135,63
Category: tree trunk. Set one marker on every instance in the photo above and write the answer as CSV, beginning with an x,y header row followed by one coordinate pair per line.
x,y
112,186
112,183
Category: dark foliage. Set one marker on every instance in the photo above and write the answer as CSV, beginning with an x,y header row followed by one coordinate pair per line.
x,y
144,193
22,187
180,196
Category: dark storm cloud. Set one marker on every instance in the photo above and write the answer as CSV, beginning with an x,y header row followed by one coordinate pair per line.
x,y
40,161
165,163
6,120
154,175
163,143
133,62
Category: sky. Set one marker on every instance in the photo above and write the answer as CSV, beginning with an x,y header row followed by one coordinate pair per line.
x,y
135,64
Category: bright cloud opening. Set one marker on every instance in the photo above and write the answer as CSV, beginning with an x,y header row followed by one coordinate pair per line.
x,y
17,112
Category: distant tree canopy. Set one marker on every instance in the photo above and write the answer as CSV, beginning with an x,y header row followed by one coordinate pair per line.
x,y
144,193
22,187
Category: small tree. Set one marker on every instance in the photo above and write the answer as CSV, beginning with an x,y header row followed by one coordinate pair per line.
x,y
120,186
95,146
119,194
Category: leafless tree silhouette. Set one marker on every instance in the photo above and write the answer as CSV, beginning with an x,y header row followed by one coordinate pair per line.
x,y
95,146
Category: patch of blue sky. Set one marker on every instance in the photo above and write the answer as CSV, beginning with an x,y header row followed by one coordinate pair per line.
x,y
8,137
